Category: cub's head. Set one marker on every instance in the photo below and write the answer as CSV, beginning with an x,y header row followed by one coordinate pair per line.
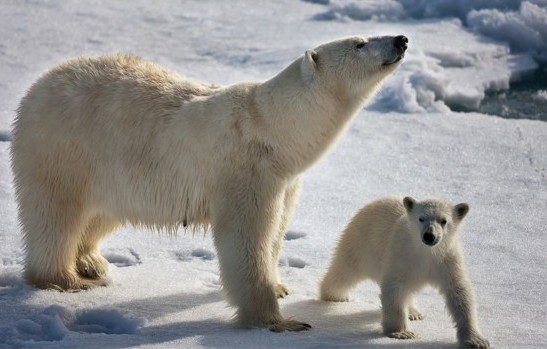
x,y
434,220
354,65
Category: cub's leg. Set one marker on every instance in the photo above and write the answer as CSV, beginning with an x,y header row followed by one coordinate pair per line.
x,y
347,267
90,263
460,300
395,299
246,218
343,275
414,312
289,204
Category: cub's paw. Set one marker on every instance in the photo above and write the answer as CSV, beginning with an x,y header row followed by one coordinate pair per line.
x,y
402,335
327,296
281,290
476,342
289,325
414,314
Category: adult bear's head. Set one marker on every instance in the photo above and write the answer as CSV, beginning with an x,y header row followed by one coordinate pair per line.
x,y
354,65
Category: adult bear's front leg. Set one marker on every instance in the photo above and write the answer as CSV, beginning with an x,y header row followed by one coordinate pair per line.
x,y
246,219
290,196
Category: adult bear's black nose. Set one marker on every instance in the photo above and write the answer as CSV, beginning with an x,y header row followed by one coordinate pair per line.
x,y
400,42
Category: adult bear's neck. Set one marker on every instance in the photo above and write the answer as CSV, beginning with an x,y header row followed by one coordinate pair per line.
x,y
304,118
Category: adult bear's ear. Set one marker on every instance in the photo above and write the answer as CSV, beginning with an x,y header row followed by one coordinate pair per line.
x,y
409,203
460,211
309,65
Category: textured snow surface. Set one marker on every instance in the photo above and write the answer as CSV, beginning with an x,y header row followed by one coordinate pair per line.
x,y
165,292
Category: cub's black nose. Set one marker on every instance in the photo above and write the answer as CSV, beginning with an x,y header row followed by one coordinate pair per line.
x,y
429,238
400,42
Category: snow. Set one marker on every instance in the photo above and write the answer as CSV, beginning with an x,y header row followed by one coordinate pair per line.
x,y
165,292
525,29
541,95
458,69
522,24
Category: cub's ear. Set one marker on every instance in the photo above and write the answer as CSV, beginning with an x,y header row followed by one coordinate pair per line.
x,y
309,64
409,203
460,210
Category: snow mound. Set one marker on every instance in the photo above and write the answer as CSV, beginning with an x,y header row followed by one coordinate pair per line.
x,y
437,82
502,41
540,95
525,30
55,322
522,24
363,10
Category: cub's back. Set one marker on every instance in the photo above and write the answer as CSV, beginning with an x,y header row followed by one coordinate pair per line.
x,y
369,234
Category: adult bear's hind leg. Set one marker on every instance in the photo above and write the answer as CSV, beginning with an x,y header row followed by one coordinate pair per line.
x,y
90,263
52,231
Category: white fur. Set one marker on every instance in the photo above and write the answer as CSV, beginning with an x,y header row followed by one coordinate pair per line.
x,y
104,141
386,242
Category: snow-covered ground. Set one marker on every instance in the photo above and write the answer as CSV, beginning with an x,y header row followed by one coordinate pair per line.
x,y
165,291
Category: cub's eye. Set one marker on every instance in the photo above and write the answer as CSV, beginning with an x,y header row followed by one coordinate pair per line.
x,y
360,45
443,222
421,219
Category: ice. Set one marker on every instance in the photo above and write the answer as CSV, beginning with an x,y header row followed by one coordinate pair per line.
x,y
439,77
364,10
460,75
459,9
541,95
525,30
165,292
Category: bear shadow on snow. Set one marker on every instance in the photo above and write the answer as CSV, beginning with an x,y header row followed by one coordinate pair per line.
x,y
358,328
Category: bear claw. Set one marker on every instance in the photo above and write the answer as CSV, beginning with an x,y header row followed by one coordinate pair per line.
x,y
281,290
402,335
290,325
477,342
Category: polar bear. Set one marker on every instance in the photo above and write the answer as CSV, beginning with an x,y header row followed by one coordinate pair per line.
x,y
403,245
103,141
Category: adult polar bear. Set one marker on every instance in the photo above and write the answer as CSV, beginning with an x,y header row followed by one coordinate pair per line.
x,y
102,141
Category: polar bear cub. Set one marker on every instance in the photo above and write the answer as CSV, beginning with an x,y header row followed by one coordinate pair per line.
x,y
403,245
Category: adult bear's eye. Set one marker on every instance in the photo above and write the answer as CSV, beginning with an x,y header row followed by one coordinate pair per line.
x,y
360,45
421,219
443,222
